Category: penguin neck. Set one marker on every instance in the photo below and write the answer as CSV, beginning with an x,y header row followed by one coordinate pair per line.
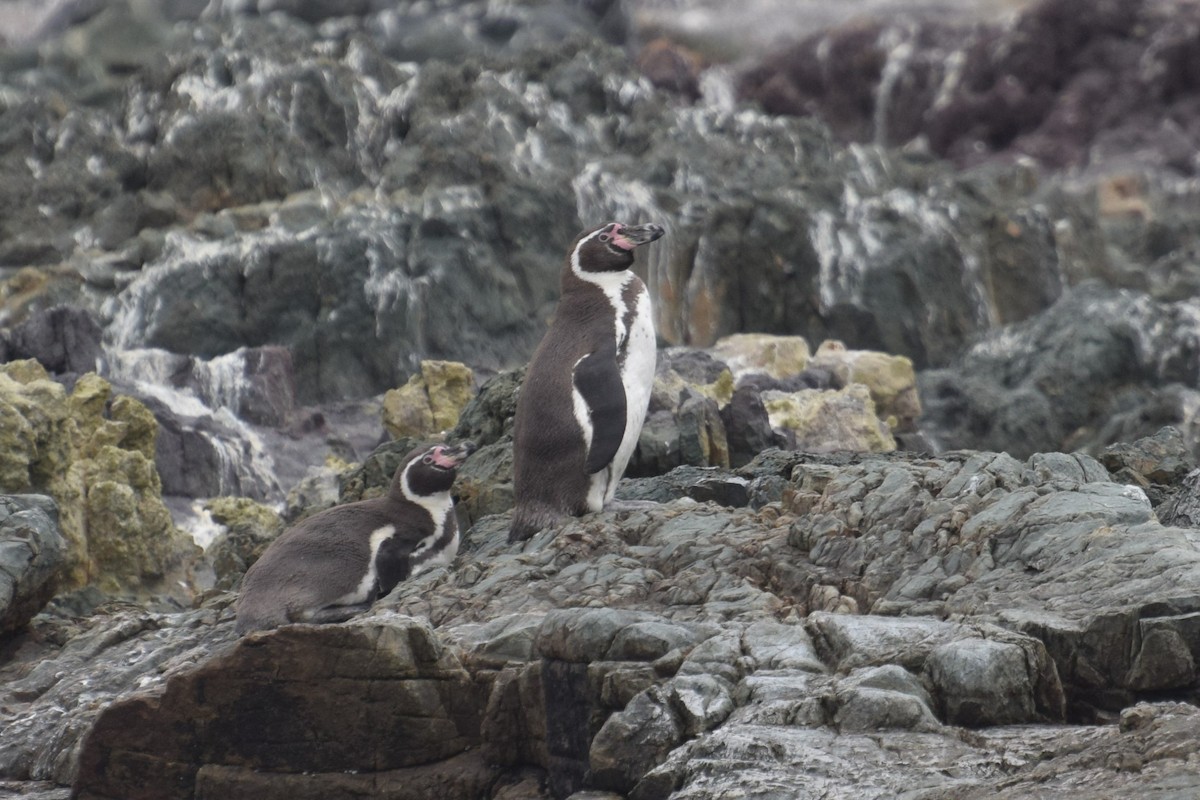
x,y
611,284
436,504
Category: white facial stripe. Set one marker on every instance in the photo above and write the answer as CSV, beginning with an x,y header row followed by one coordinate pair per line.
x,y
438,506
611,283
361,592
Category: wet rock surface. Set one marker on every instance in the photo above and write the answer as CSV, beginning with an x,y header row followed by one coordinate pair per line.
x,y
32,557
888,617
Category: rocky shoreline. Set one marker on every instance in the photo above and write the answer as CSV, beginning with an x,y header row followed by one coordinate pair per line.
x,y
923,436
808,624
871,625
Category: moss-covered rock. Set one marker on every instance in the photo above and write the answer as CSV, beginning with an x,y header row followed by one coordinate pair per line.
x,y
250,527
824,421
777,356
891,380
94,454
430,402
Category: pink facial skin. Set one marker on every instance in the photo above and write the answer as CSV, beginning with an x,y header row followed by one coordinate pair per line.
x,y
442,460
619,240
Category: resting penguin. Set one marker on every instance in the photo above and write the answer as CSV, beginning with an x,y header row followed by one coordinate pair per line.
x,y
581,407
334,564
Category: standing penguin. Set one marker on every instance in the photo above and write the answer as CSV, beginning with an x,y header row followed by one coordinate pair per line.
x,y
585,394
334,564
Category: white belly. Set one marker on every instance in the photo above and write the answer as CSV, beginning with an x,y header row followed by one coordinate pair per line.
x,y
637,376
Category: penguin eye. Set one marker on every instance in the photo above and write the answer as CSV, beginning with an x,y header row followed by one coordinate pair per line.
x,y
428,459
604,237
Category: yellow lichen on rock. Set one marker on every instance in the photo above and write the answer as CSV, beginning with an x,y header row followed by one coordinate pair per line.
x,y
825,420
431,400
891,380
777,356
94,454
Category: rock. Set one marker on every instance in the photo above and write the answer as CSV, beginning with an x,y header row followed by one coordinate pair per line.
x,y
703,484
94,454
883,698
693,435
982,683
427,705
632,646
63,339
32,557
488,416
205,453
884,81
1053,380
139,650
824,421
316,491
249,528
890,379
374,475
1183,509
1162,458
684,424
485,485
748,426
1165,659
750,353
430,402
638,738
335,168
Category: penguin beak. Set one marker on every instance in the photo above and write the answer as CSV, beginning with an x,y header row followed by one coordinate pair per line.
x,y
628,237
450,457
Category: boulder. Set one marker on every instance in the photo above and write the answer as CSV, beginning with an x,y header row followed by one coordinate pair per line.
x,y
1162,459
823,421
430,402
32,558
428,706
890,379
249,528
754,353
63,339
1054,380
94,454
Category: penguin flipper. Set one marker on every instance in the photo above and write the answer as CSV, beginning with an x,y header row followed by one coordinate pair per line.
x,y
598,380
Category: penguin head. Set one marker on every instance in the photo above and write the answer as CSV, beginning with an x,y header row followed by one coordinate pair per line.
x,y
609,248
430,470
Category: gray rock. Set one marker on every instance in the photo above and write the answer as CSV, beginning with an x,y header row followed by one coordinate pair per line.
x,y
64,339
1052,381
634,741
426,704
775,646
1183,508
981,683
32,555
1162,458
678,650
581,635
702,484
